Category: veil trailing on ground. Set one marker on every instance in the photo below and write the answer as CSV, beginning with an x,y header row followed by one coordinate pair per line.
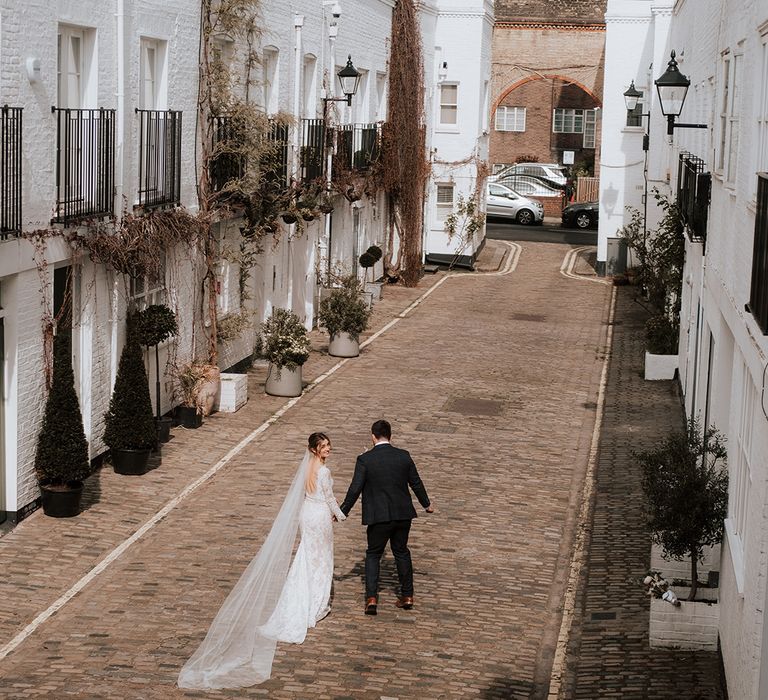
x,y
234,653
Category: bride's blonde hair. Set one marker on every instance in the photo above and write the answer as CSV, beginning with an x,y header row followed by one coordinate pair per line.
x,y
314,441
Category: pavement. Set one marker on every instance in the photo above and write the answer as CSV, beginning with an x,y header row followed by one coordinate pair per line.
x,y
492,381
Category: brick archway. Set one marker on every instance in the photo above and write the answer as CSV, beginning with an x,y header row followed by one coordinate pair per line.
x,y
552,76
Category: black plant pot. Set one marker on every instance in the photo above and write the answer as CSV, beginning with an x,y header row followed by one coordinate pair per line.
x,y
163,429
62,501
188,417
308,217
326,208
130,462
289,218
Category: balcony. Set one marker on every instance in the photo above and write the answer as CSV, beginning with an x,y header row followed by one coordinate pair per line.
x,y
312,155
229,161
159,158
357,147
10,171
758,293
693,190
85,164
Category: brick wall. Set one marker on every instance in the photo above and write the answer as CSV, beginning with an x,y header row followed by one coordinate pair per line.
x,y
550,10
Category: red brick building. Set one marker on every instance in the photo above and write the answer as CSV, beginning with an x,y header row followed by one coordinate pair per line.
x,y
547,82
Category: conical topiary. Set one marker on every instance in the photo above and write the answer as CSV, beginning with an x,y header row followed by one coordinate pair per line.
x,y
62,450
130,424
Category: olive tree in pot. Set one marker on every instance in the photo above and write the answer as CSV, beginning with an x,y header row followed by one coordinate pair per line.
x,y
685,483
61,459
154,325
344,314
284,342
130,431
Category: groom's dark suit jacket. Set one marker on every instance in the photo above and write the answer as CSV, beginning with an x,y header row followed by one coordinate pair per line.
x,y
383,475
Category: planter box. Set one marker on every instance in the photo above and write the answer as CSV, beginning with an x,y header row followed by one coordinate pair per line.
x,y
691,626
681,569
374,288
660,366
233,392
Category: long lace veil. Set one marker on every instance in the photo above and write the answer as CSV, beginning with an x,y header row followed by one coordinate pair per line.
x,y
234,654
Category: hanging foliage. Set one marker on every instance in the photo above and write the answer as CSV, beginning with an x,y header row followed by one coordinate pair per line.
x,y
403,141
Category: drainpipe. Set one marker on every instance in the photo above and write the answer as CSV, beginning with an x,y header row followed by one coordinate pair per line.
x,y
119,174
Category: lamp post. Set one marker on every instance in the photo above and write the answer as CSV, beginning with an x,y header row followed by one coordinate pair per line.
x,y
672,87
349,79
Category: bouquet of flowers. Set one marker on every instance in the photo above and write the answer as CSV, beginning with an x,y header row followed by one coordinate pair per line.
x,y
284,340
658,587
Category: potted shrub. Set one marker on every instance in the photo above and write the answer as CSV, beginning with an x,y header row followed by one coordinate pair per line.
x,y
130,431
367,260
344,314
198,382
685,484
61,459
154,325
284,342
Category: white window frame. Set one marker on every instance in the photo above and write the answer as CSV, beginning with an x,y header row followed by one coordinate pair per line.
x,y
309,86
381,97
571,120
734,120
271,79
360,104
70,67
145,291
740,477
590,128
445,197
762,116
510,118
724,102
453,107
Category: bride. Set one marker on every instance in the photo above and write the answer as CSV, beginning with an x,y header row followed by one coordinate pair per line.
x,y
271,603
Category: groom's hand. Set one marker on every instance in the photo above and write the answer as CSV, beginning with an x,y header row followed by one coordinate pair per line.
x,y
430,508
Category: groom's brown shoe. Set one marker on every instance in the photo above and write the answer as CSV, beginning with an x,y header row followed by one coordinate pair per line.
x,y
405,602
370,606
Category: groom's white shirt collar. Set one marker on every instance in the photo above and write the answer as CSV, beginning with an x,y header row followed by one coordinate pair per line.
x,y
382,442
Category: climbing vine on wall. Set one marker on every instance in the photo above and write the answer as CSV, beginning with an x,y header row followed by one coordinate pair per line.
x,y
403,140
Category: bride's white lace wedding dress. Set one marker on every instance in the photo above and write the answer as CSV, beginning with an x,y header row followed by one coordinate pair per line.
x,y
306,595
272,602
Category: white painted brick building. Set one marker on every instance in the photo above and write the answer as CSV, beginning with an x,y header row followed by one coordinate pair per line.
x,y
129,55
722,47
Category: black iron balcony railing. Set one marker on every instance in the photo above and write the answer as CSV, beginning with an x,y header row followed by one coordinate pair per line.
x,y
357,146
10,171
758,292
226,165
159,158
85,164
312,155
230,164
693,190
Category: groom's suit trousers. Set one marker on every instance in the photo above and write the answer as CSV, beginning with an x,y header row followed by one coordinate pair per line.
x,y
396,533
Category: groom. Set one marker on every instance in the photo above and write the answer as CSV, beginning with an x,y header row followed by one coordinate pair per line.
x,y
383,475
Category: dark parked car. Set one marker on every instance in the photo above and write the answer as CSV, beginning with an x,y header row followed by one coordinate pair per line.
x,y
581,215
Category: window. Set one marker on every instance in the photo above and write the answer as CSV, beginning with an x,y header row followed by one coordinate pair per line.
x,y
635,116
381,94
730,107
444,200
360,103
70,63
568,121
148,80
762,116
309,98
449,104
148,290
741,474
510,119
270,68
590,126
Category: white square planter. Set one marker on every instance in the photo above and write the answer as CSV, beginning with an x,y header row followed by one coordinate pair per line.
x,y
233,393
660,366
691,626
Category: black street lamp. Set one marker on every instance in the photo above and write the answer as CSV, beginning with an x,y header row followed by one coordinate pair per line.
x,y
349,79
672,87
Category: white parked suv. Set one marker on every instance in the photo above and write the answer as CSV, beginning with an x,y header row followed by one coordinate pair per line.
x,y
550,173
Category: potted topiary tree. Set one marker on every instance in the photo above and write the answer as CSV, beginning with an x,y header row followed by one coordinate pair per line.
x,y
685,484
130,431
61,459
283,341
367,260
344,314
154,325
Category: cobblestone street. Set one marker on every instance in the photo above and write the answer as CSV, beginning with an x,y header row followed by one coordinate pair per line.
x,y
491,382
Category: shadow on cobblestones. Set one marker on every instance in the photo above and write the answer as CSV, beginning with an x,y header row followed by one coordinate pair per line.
x,y
507,689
